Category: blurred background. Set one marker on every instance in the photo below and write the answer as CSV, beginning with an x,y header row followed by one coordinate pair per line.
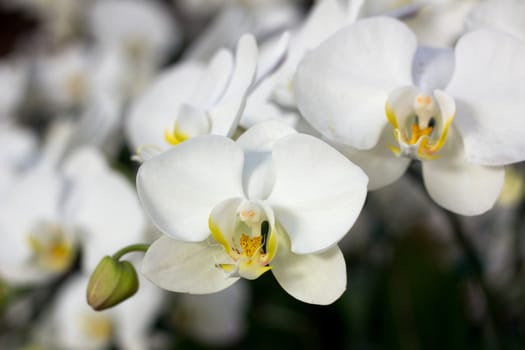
x,y
71,74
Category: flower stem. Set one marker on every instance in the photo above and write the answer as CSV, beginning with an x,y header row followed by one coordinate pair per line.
x,y
129,249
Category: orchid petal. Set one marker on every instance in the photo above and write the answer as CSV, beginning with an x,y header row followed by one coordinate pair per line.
x,y
459,186
191,122
399,105
271,59
186,267
489,97
506,16
216,77
341,87
153,113
257,144
223,221
104,207
312,278
226,114
441,23
318,193
179,188
380,164
121,22
432,68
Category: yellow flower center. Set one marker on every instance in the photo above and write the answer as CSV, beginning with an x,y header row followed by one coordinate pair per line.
x,y
419,137
52,250
99,327
251,250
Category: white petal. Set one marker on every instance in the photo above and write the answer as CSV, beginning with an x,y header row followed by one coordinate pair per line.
x,y
191,121
17,145
504,15
156,110
226,114
272,58
318,193
179,188
223,31
401,102
440,23
381,165
214,80
71,318
224,218
105,210
84,162
342,86
257,144
490,97
131,331
324,19
130,22
432,68
185,267
32,200
312,278
460,186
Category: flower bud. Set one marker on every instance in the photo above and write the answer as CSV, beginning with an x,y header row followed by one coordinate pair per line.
x,y
112,282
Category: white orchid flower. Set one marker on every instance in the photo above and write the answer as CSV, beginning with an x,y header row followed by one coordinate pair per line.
x,y
62,79
456,113
274,200
60,203
507,16
36,247
101,205
192,100
144,30
72,324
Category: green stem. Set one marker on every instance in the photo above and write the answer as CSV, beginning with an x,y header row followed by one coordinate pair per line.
x,y
129,249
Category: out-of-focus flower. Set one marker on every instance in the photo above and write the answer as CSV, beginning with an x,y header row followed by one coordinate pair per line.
x,y
102,206
464,134
13,80
233,18
72,324
62,79
35,245
264,202
507,16
17,149
143,30
274,98
439,23
215,319
192,100
62,201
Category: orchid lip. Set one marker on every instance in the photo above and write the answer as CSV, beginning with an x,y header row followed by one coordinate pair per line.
x,y
251,247
423,132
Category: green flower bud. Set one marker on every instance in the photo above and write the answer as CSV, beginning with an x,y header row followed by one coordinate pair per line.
x,y
112,282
